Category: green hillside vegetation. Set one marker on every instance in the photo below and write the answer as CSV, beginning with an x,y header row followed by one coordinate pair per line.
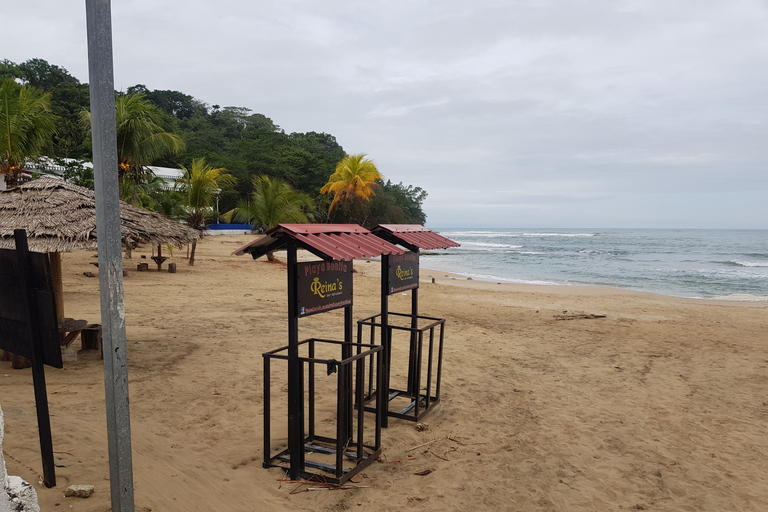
x,y
248,145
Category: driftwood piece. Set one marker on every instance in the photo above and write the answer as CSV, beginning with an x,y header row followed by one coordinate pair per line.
x,y
580,316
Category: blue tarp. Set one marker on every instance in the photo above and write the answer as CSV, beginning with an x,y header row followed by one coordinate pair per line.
x,y
239,227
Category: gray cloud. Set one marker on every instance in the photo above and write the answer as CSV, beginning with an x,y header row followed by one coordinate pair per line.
x,y
509,113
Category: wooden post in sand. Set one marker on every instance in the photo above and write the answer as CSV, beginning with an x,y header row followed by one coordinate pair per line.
x,y
295,373
58,288
35,323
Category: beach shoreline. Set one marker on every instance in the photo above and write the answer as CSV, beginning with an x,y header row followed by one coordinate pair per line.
x,y
553,397
462,280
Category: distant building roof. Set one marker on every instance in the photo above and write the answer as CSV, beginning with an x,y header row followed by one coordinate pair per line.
x,y
167,173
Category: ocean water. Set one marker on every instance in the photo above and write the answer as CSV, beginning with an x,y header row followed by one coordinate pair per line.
x,y
701,263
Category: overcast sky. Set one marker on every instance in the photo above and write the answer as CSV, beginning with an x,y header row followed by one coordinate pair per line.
x,y
510,113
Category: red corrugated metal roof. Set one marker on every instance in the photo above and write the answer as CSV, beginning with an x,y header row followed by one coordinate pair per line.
x,y
416,235
337,241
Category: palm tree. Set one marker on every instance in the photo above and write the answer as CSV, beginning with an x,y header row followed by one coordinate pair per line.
x,y
170,203
144,192
273,202
200,183
142,137
353,181
26,126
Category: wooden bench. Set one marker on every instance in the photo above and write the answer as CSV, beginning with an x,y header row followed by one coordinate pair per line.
x,y
69,329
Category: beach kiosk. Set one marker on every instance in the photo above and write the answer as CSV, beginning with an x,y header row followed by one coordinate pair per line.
x,y
400,273
317,287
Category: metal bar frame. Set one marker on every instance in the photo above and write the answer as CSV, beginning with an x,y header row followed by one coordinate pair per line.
x,y
363,454
415,411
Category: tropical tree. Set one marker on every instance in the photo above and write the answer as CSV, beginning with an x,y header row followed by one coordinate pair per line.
x,y
353,182
200,184
26,126
142,137
144,193
170,203
75,172
273,201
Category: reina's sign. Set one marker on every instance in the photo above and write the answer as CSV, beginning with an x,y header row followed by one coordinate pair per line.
x,y
403,272
323,286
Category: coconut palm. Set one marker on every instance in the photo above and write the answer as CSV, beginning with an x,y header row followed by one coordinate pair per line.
x,y
26,126
273,202
170,203
142,137
143,193
200,184
353,181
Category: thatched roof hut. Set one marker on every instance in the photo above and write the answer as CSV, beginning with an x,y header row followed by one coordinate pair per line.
x,y
60,216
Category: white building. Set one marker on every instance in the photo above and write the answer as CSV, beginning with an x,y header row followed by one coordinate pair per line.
x,y
46,165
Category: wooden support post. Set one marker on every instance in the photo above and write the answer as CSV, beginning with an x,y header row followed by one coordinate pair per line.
x,y
54,259
295,372
382,393
33,324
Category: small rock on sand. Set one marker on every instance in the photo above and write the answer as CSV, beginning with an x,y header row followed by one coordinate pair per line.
x,y
78,491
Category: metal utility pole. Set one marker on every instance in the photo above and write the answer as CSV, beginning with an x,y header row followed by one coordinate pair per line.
x,y
104,133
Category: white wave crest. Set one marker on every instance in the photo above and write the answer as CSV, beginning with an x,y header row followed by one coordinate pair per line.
x,y
750,264
559,234
742,297
490,245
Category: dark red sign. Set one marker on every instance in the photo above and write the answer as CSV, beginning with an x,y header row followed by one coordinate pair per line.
x,y
323,286
403,272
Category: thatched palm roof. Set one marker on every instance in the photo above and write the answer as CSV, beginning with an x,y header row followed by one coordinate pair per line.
x,y
60,216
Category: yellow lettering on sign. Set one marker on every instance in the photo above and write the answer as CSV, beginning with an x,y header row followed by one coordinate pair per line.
x,y
402,274
323,289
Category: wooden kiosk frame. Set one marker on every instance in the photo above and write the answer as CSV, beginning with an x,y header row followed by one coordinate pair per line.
x,y
337,245
400,273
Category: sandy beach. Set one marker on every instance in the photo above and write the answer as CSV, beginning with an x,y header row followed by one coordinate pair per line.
x,y
553,398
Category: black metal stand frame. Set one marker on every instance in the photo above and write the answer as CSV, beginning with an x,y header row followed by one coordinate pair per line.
x,y
348,445
421,402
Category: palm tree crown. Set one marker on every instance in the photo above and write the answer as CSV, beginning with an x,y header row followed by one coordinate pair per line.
x,y
273,201
200,183
142,136
354,180
26,125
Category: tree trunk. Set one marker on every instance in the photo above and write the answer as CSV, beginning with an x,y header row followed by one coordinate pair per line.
x,y
192,254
